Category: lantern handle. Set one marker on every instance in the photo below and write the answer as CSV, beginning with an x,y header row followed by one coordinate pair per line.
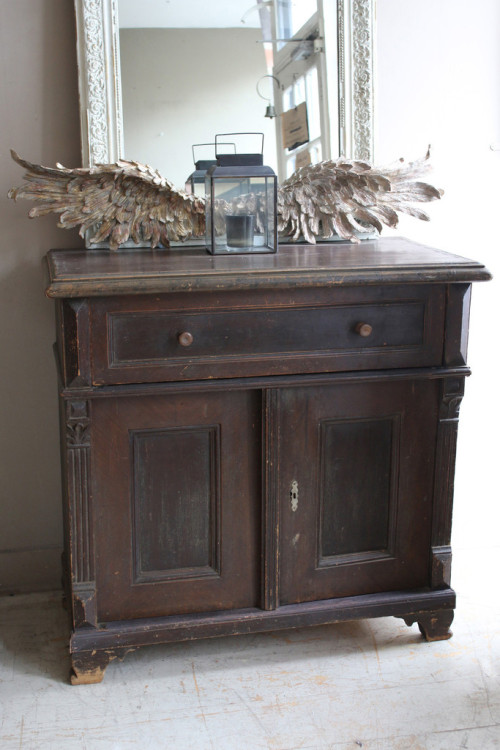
x,y
222,135
195,145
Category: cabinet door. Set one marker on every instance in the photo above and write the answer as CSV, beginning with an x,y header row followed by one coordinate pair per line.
x,y
176,491
356,465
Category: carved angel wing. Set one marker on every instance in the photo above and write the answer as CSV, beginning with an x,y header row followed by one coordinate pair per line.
x,y
126,199
346,196
130,200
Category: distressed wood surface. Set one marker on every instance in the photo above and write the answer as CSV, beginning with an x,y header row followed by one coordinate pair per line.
x,y
77,273
137,339
144,632
272,469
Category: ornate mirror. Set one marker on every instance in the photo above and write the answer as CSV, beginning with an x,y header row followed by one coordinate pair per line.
x,y
156,77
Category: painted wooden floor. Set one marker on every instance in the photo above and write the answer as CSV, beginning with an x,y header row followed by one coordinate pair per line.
x,y
372,684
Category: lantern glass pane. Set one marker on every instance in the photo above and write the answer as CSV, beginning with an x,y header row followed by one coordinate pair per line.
x,y
240,214
198,186
208,211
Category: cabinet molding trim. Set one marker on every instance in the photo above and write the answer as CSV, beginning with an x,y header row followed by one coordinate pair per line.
x,y
457,324
75,315
144,389
185,627
270,505
441,567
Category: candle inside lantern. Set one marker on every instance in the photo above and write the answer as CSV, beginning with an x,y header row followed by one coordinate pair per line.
x,y
239,230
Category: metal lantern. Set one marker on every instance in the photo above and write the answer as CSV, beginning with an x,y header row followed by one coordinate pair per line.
x,y
195,183
240,208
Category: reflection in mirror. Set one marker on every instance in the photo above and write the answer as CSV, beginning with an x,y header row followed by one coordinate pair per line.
x,y
222,77
291,16
305,62
187,75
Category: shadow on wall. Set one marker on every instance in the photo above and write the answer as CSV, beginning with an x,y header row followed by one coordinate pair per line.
x,y
41,122
30,529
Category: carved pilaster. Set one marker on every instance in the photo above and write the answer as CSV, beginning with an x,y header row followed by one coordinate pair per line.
x,y
452,391
82,563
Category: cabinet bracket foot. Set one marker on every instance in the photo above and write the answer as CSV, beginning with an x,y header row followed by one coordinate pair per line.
x,y
87,676
434,626
88,667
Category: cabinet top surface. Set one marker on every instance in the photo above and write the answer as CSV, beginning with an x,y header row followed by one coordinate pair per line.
x,y
82,273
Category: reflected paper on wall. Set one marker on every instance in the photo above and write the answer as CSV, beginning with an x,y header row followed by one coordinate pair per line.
x,y
303,159
294,127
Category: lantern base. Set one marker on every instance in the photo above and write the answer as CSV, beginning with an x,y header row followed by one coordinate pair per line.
x,y
230,250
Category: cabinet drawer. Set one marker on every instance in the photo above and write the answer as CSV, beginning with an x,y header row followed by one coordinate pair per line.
x,y
145,343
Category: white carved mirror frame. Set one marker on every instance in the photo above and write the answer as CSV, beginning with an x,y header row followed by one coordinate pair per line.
x,y
100,94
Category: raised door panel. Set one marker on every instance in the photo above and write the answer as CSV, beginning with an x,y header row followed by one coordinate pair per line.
x,y
356,514
356,466
176,511
176,485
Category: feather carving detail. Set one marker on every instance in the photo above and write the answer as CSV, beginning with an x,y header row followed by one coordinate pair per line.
x,y
129,200
348,196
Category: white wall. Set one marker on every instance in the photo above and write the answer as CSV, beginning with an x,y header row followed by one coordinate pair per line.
x,y
39,118
183,86
438,82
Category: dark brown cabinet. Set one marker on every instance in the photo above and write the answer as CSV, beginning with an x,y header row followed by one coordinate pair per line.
x,y
257,443
358,517
177,476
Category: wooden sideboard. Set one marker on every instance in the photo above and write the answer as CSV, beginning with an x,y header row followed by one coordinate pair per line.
x,y
255,443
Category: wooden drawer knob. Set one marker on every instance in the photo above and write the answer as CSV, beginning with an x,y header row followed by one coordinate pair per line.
x,y
185,338
363,329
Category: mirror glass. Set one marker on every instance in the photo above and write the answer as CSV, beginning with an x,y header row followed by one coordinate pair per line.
x,y
220,67
189,70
